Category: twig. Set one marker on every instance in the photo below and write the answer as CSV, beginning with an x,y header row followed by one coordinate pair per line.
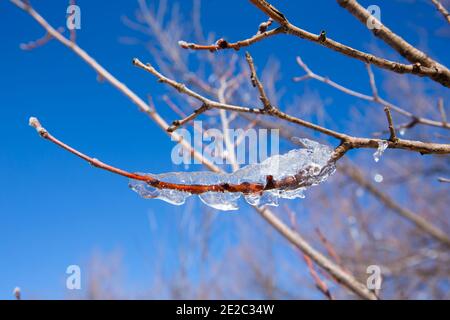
x,y
320,284
331,252
442,9
182,88
442,112
287,183
347,142
435,71
39,42
230,153
444,180
418,221
372,82
330,267
374,98
346,280
393,136
256,83
419,59
222,44
178,123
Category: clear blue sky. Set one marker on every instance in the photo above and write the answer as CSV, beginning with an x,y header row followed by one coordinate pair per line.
x,y
54,209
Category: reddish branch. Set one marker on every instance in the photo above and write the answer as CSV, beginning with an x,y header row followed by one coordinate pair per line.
x,y
288,183
421,65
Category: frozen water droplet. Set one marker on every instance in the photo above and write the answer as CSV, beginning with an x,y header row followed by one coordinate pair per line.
x,y
307,167
402,131
382,146
378,178
221,201
267,198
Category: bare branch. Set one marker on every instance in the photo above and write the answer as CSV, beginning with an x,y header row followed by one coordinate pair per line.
x,y
393,136
442,9
438,73
443,114
256,83
348,142
411,53
374,98
222,44
330,267
419,221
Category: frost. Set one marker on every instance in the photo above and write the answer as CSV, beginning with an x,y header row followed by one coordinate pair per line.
x,y
309,166
382,146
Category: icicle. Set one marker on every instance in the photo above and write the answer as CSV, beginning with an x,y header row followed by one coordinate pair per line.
x,y
310,162
382,145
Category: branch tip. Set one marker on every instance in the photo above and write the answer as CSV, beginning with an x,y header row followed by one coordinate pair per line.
x,y
34,122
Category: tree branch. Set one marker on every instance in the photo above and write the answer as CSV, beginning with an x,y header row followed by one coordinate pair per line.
x,y
416,219
345,279
442,9
441,73
437,72
374,98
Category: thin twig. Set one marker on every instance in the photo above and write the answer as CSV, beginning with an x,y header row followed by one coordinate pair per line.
x,y
384,198
178,123
256,83
442,112
437,72
393,136
442,9
347,142
374,98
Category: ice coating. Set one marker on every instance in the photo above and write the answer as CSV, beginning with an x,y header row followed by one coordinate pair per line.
x,y
311,163
382,146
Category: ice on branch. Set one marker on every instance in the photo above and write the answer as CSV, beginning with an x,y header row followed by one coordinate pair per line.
x,y
293,173
382,146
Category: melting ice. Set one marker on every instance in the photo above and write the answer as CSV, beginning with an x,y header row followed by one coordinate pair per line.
x,y
312,161
382,146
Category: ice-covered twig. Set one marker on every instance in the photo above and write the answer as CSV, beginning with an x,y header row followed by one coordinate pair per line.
x,y
283,176
382,146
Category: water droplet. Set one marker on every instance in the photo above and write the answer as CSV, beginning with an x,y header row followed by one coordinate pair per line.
x,y
382,146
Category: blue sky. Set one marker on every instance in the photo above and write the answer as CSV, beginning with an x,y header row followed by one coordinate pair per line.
x,y
56,210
